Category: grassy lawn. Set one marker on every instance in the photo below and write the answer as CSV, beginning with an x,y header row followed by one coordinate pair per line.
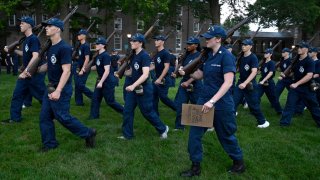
x,y
272,153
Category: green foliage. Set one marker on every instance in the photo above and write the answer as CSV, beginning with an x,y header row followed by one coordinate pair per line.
x,y
230,22
288,14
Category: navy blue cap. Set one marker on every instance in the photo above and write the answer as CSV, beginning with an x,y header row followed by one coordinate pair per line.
x,y
83,31
268,51
138,37
101,40
303,44
27,19
55,22
228,46
314,49
286,50
114,49
247,42
193,40
160,37
215,31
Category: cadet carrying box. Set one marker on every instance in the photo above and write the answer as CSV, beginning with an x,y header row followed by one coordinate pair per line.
x,y
193,116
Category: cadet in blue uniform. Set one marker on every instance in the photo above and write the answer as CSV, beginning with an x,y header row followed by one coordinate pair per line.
x,y
248,70
139,91
284,64
114,62
300,88
313,53
189,89
80,76
172,82
106,81
35,84
56,103
217,73
9,63
162,78
266,83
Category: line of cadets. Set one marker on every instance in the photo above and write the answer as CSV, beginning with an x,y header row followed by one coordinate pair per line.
x,y
217,88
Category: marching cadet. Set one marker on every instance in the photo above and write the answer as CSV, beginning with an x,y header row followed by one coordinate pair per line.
x,y
172,68
266,83
114,62
80,76
139,91
300,87
284,82
25,83
217,73
247,85
313,53
106,81
162,78
189,89
284,64
56,102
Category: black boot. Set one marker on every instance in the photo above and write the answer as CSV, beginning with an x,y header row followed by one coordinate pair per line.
x,y
194,171
237,167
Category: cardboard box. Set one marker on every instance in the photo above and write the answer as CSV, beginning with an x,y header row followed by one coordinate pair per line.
x,y
193,116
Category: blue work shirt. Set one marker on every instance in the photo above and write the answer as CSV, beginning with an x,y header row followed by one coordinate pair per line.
x,y
301,68
57,55
266,68
160,59
189,59
317,69
138,61
246,64
84,51
284,64
31,44
214,69
101,61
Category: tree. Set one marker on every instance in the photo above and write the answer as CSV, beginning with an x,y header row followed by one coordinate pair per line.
x,y
284,14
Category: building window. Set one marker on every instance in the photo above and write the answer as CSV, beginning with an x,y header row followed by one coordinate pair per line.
x,y
117,42
179,26
178,42
179,10
196,27
12,20
118,24
140,25
44,17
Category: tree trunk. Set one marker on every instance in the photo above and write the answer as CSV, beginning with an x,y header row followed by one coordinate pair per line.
x,y
214,11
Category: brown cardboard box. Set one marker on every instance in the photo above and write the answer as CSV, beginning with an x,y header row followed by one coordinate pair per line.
x,y
193,116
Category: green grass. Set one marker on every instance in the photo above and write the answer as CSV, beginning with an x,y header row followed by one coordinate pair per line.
x,y
272,153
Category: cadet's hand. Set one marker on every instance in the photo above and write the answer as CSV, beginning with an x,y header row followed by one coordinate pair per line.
x,y
130,88
55,95
158,81
99,85
185,84
293,86
261,82
242,85
81,73
173,75
206,107
280,78
6,49
282,75
181,71
23,75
